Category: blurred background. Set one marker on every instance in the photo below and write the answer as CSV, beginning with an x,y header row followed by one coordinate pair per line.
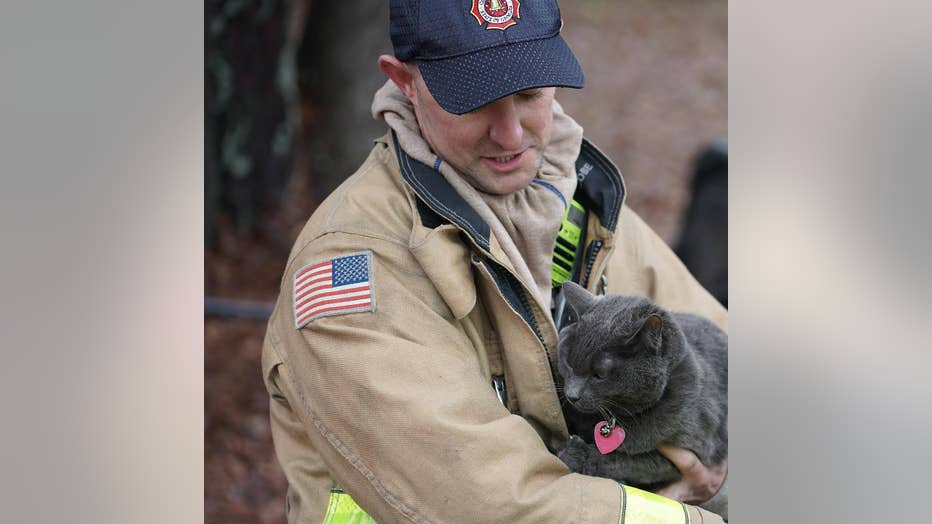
x,y
288,84
103,149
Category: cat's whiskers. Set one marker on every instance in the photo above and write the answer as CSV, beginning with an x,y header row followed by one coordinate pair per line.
x,y
630,415
606,414
562,395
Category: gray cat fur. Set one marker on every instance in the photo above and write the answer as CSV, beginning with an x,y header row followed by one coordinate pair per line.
x,y
669,388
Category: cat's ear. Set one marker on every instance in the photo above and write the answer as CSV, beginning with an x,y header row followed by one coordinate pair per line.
x,y
651,330
578,298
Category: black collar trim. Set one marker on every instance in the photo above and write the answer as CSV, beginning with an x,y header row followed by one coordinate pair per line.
x,y
441,198
600,188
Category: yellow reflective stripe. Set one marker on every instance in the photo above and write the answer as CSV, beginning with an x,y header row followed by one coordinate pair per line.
x,y
643,507
637,507
342,509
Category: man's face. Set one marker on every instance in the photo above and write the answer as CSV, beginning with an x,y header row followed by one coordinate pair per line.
x,y
499,147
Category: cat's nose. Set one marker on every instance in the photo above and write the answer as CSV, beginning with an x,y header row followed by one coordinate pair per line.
x,y
572,396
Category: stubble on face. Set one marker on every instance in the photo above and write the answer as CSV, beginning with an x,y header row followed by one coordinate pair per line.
x,y
476,143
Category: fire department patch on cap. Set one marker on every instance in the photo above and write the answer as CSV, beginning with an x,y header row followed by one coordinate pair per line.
x,y
498,14
335,286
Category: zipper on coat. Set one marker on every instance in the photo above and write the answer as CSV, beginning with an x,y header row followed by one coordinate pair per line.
x,y
591,253
510,288
522,295
498,384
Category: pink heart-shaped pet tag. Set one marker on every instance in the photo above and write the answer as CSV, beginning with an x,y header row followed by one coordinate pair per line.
x,y
610,443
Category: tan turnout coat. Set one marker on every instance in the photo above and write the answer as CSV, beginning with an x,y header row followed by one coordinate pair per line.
x,y
396,406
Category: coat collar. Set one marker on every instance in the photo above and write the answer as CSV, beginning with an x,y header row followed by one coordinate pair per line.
x,y
600,190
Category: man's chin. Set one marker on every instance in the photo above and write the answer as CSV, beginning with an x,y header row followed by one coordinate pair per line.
x,y
507,189
502,183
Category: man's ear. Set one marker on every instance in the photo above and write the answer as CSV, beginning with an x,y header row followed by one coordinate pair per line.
x,y
399,73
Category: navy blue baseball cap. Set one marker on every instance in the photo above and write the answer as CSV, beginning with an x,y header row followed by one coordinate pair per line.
x,y
473,52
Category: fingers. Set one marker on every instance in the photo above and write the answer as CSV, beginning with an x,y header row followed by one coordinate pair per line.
x,y
699,482
678,490
686,461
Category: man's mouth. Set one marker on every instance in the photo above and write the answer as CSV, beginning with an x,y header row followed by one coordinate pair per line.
x,y
505,162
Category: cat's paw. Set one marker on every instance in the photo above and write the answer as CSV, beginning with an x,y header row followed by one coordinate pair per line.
x,y
577,455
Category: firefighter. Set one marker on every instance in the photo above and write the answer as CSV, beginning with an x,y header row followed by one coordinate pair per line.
x,y
410,356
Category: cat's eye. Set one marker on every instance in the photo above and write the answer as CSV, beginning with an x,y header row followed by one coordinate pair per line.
x,y
601,370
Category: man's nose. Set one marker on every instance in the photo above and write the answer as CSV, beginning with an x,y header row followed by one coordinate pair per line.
x,y
505,128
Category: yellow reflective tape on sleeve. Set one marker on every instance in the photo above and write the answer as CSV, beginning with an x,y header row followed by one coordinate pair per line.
x,y
342,509
643,507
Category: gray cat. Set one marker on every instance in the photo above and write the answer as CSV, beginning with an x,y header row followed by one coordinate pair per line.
x,y
656,375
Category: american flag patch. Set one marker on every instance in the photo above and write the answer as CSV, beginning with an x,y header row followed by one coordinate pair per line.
x,y
333,287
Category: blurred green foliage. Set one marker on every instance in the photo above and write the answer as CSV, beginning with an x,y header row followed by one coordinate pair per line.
x,y
247,134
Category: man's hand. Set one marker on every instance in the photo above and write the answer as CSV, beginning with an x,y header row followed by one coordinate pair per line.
x,y
699,482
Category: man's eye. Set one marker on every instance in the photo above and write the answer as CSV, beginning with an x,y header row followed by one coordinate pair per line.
x,y
531,94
